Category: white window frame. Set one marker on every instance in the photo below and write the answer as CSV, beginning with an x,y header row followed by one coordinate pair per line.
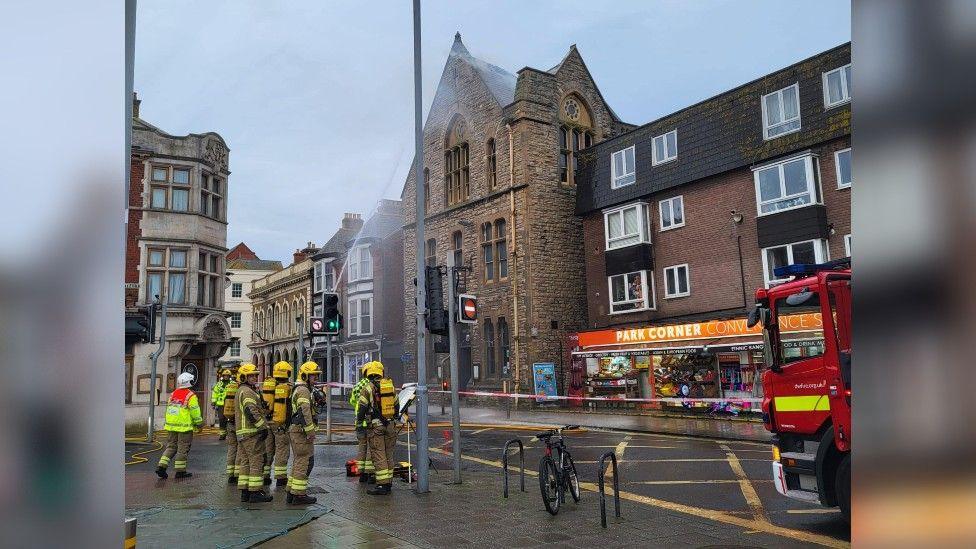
x,y
650,298
671,295
358,268
820,255
234,286
614,176
844,86
670,204
667,157
848,244
240,320
235,348
837,168
765,118
643,229
813,183
317,275
355,318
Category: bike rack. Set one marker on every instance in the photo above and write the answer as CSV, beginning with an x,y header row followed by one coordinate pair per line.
x,y
616,488
521,450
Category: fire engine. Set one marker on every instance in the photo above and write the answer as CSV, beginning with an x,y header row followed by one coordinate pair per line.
x,y
807,380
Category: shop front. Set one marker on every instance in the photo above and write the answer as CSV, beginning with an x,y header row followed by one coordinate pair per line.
x,y
674,366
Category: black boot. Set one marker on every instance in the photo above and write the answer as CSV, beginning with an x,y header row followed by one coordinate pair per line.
x,y
245,496
371,478
363,478
302,500
183,474
231,480
289,497
260,497
267,481
161,471
379,490
281,482
222,437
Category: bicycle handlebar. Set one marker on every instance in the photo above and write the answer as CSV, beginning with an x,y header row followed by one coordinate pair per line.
x,y
557,431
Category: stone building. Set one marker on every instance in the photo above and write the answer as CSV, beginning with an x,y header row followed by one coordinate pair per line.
x,y
280,307
243,268
175,246
500,151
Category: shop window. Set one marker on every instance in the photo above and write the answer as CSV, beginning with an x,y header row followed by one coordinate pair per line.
x,y
665,148
626,226
837,86
810,251
622,168
676,281
781,112
629,292
785,185
672,213
842,160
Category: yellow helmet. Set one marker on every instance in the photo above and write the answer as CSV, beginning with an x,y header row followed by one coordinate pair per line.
x,y
309,368
282,370
245,370
373,368
226,372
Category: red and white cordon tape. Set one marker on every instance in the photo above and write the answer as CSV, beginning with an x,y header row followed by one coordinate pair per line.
x,y
669,400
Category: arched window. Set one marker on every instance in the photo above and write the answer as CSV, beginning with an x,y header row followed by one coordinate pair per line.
x,y
488,252
501,248
491,165
575,134
278,328
503,357
456,241
271,323
286,321
301,309
431,252
456,169
426,190
489,348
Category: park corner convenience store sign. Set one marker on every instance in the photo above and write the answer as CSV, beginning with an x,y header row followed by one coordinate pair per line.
x,y
712,329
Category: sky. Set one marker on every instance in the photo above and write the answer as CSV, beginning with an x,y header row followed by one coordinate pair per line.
x,y
315,98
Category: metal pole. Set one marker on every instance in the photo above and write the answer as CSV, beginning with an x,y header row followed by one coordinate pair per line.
x,y
328,389
152,373
423,455
452,334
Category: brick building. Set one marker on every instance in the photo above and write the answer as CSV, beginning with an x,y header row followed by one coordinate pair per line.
x,y
684,217
175,246
499,157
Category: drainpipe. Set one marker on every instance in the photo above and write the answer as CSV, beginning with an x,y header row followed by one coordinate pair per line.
x,y
514,251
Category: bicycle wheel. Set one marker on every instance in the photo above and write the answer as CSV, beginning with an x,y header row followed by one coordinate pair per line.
x,y
572,480
549,484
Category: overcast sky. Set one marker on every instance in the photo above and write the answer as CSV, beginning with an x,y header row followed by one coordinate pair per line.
x,y
315,98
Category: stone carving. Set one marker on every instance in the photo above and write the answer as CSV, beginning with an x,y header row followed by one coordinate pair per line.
x,y
214,331
216,154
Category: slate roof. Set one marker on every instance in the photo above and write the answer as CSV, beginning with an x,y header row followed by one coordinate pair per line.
x,y
500,82
383,223
718,134
337,244
254,264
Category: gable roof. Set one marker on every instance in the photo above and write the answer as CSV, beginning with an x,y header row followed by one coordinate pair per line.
x,y
499,81
241,251
384,222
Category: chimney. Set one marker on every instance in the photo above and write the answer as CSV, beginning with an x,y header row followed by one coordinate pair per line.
x,y
298,257
135,105
352,221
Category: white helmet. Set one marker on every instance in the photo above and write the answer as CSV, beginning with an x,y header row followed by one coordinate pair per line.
x,y
184,380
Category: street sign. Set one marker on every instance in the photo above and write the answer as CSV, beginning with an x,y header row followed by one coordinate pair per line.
x,y
467,309
316,326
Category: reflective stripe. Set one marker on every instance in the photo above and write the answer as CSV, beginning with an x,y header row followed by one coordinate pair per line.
x,y
807,403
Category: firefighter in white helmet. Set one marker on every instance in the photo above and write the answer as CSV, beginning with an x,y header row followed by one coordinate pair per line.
x,y
182,418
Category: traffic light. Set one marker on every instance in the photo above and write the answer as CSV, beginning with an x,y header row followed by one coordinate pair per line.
x,y
436,314
147,323
331,315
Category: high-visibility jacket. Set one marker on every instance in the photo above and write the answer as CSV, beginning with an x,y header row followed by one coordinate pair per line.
x,y
219,392
249,415
303,412
354,398
230,395
183,411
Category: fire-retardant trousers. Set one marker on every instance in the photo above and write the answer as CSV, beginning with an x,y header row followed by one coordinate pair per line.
x,y
281,453
232,468
382,441
363,462
303,459
222,422
269,449
178,445
250,457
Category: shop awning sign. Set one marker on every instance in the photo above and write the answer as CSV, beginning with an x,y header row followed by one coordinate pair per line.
x,y
712,329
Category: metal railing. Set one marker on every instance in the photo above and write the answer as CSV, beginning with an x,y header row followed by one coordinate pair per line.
x,y
616,488
521,450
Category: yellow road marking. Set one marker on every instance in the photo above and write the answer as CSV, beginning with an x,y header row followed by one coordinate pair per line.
x,y
619,452
717,516
671,460
811,511
481,430
690,481
748,491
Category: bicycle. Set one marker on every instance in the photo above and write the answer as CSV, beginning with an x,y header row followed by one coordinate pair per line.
x,y
556,475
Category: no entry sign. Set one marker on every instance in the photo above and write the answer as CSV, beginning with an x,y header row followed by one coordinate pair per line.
x,y
467,309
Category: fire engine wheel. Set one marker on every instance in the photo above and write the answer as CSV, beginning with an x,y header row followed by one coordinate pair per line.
x,y
842,487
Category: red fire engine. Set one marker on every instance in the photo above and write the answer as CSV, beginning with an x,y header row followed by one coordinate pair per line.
x,y
807,382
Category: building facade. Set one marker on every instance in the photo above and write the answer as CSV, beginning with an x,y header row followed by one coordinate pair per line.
x,y
175,246
243,268
686,216
499,189
280,308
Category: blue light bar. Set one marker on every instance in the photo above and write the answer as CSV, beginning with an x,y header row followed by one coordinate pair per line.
x,y
807,269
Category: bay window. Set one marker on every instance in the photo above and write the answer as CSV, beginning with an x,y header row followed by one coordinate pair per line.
x,y
626,226
786,185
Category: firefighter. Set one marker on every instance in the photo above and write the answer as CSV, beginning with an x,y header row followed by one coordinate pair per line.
x,y
280,414
301,433
252,431
367,472
182,419
378,407
227,412
267,398
217,396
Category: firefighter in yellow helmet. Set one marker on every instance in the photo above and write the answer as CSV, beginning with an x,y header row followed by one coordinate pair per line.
x,y
217,396
367,472
252,430
301,433
280,414
182,418
227,412
378,408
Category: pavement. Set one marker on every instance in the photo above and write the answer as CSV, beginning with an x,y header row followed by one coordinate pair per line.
x,y
676,491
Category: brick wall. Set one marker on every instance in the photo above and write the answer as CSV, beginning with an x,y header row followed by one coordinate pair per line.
x,y
133,230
